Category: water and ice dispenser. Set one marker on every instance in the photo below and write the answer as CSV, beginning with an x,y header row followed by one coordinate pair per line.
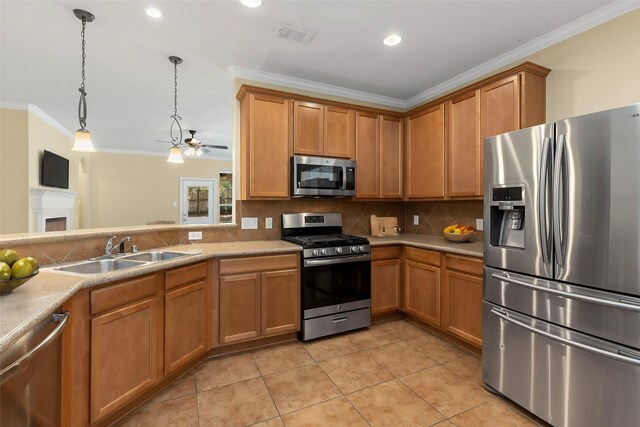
x,y
507,218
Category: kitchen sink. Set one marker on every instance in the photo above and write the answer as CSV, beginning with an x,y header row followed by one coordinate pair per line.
x,y
99,266
156,256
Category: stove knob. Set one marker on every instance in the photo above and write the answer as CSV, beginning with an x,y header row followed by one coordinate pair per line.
x,y
363,248
354,249
338,250
324,252
315,252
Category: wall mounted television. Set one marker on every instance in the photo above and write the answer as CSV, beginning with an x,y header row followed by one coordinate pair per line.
x,y
54,170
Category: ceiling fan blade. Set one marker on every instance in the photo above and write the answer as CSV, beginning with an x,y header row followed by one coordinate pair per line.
x,y
160,140
204,150
217,147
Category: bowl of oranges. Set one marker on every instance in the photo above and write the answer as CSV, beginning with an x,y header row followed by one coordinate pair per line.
x,y
14,271
459,234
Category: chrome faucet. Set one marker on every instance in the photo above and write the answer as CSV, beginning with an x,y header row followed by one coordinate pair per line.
x,y
109,247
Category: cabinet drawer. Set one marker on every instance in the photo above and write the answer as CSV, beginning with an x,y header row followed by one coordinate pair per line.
x,y
262,263
422,255
386,252
123,293
184,275
464,264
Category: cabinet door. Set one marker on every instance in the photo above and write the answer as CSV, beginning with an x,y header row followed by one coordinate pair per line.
x,y
422,292
390,157
465,164
367,149
239,307
385,286
185,325
339,132
268,155
125,354
500,106
462,306
307,128
425,154
280,302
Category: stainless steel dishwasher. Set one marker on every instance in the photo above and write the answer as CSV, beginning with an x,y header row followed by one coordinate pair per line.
x,y
30,376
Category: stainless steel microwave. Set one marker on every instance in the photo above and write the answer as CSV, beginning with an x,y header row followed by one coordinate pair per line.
x,y
322,177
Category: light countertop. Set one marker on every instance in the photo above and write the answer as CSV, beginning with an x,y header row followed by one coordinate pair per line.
x,y
434,243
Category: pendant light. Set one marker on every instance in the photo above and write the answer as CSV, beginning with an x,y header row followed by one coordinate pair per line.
x,y
175,155
83,136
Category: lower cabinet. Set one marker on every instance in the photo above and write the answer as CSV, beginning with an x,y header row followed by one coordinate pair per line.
x,y
386,279
259,297
462,298
126,343
422,285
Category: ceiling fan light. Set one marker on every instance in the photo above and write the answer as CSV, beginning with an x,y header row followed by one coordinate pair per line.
x,y
190,151
175,156
251,3
83,142
199,152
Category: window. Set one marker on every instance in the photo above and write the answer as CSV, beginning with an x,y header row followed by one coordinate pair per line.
x,y
226,197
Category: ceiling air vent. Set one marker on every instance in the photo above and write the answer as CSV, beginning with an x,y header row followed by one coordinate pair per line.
x,y
296,34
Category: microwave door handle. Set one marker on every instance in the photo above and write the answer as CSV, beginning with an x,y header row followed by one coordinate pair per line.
x,y
542,201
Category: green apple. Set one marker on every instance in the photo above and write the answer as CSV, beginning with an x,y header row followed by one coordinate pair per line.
x,y
5,271
21,268
8,256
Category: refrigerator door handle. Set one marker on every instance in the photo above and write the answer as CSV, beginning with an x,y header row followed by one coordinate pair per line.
x,y
621,355
557,232
617,303
542,201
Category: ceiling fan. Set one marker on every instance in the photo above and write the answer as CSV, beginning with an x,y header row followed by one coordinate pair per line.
x,y
195,146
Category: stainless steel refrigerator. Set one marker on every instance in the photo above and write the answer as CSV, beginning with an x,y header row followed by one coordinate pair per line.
x,y
561,309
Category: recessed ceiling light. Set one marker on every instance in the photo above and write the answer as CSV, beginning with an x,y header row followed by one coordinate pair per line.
x,y
392,40
153,12
251,3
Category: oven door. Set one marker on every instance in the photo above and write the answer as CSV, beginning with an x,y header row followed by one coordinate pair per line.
x,y
335,285
317,176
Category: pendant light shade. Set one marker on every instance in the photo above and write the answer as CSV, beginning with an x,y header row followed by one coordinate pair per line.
x,y
83,136
190,151
175,156
83,141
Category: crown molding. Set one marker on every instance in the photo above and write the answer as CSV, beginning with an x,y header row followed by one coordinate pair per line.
x,y
313,86
593,19
584,23
34,109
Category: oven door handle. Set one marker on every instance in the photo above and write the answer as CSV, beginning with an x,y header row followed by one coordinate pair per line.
x,y
337,260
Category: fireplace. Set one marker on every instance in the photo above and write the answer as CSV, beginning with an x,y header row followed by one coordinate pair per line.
x,y
53,209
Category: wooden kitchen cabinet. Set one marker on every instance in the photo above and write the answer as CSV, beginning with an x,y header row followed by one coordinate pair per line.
x,y
500,106
259,296
462,298
265,146
391,158
367,156
322,130
386,279
425,154
465,146
186,315
422,285
126,343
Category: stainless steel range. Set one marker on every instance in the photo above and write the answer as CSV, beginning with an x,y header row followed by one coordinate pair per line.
x,y
335,275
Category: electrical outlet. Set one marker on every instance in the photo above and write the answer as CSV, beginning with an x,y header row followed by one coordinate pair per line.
x,y
195,235
479,224
174,204
249,223
416,220
268,223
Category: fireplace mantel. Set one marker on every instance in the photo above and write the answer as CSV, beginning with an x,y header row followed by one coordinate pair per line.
x,y
48,203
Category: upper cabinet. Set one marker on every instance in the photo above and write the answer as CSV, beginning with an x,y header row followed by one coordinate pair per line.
x,y
425,161
464,177
367,156
500,106
391,160
264,146
322,130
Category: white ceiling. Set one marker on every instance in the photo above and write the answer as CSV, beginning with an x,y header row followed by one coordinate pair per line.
x,y
130,80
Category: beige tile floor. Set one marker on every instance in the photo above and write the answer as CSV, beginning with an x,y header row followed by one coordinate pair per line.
x,y
393,374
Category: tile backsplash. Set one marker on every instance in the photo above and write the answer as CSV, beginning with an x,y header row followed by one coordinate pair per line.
x,y
434,216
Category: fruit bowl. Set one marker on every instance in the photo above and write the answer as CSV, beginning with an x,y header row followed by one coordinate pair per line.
x,y
6,286
458,238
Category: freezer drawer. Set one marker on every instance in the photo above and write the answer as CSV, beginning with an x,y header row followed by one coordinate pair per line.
x,y
608,315
564,377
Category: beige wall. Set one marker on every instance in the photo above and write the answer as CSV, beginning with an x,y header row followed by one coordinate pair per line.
x,y
130,189
595,70
14,178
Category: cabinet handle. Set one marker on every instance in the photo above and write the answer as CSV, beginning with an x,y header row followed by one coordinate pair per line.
x,y
340,319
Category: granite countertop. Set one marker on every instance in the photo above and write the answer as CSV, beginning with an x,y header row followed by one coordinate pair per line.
x,y
32,302
435,243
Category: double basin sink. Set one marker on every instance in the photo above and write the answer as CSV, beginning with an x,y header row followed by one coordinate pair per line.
x,y
113,263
